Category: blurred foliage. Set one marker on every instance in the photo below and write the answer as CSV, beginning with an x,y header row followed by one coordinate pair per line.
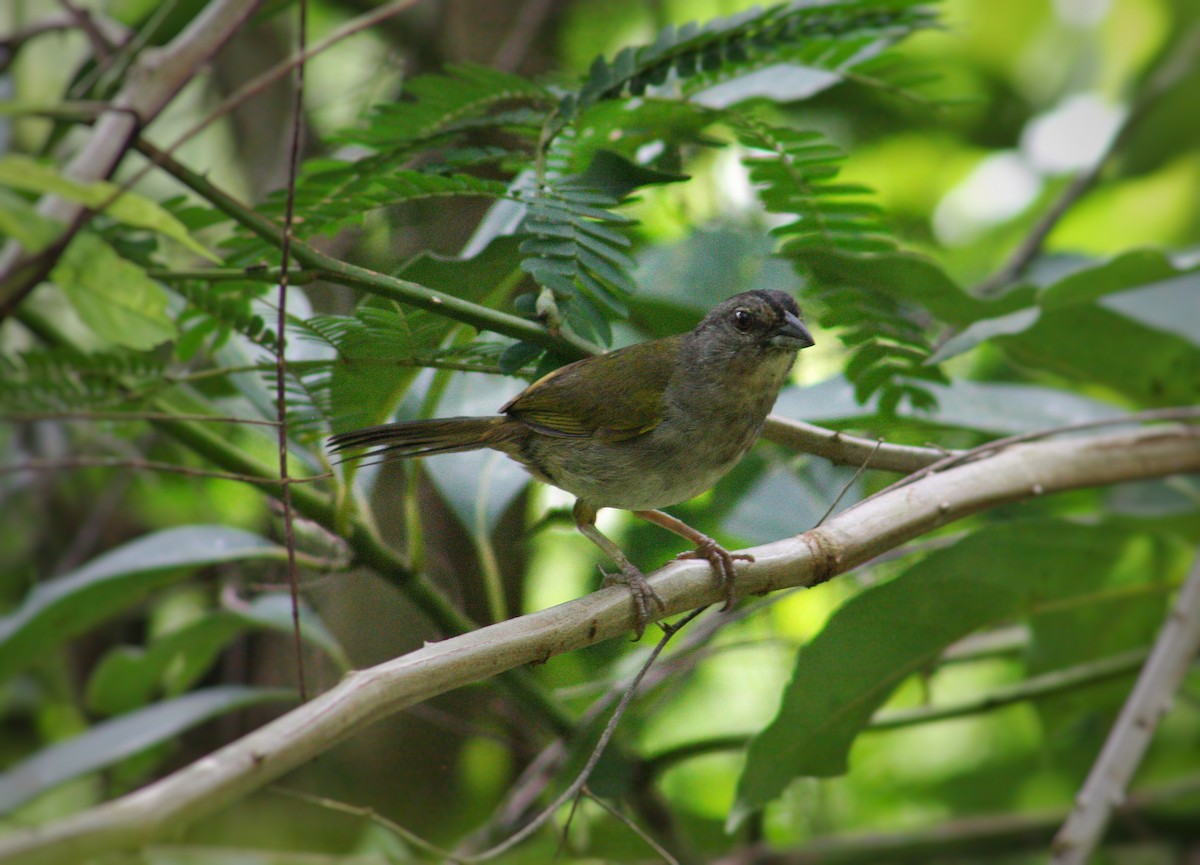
x,y
884,161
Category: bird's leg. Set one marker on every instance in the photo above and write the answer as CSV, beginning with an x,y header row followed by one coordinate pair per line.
x,y
641,590
706,548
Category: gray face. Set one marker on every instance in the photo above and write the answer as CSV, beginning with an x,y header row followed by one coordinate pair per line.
x,y
760,320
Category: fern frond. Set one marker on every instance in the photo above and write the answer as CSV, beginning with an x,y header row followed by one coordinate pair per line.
x,y
216,309
450,102
379,349
62,379
826,35
573,252
799,178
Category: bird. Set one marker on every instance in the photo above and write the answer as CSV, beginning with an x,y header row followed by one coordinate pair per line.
x,y
639,428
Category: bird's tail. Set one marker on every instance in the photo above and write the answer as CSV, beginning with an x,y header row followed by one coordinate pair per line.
x,y
418,438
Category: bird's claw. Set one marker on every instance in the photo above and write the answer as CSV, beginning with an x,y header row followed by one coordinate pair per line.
x,y
722,562
642,593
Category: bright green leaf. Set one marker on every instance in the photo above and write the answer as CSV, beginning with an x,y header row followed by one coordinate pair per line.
x,y
113,296
870,645
21,172
66,606
891,630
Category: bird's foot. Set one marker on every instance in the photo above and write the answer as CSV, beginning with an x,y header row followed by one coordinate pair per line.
x,y
722,562
643,595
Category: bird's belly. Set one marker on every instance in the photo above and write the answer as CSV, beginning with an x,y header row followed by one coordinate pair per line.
x,y
645,473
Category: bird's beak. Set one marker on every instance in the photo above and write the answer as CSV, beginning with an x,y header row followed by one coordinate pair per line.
x,y
792,334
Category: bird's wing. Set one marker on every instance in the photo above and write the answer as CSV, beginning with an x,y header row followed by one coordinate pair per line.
x,y
613,396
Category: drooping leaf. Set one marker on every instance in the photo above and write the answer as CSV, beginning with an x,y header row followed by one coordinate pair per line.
x,y
891,630
114,297
68,605
1123,324
21,172
128,677
114,740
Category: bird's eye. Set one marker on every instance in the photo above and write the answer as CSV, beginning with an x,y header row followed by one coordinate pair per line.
x,y
742,319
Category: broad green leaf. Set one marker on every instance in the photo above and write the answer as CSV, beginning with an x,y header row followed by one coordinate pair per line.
x,y
114,297
20,221
1127,583
128,677
891,630
982,331
1128,270
21,172
1090,332
1172,306
870,645
912,279
112,741
66,606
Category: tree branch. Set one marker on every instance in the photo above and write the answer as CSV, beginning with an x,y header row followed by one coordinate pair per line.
x,y
1176,646
844,449
848,540
155,79
390,287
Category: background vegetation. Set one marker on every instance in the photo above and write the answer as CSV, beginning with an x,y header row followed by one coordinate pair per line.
x,y
988,212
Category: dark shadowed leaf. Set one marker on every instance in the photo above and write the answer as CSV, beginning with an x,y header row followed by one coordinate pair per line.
x,y
889,631
112,741
66,606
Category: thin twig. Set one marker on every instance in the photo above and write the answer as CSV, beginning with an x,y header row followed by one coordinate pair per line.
x,y
846,487
1172,656
67,463
576,786
94,416
281,347
368,814
633,827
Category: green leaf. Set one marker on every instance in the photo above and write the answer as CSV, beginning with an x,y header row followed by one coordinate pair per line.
x,y
914,279
1172,306
111,741
889,631
1124,324
20,221
870,645
66,606
114,297
128,677
982,331
21,172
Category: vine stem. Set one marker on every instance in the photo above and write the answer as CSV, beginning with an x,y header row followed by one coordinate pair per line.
x,y
285,488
